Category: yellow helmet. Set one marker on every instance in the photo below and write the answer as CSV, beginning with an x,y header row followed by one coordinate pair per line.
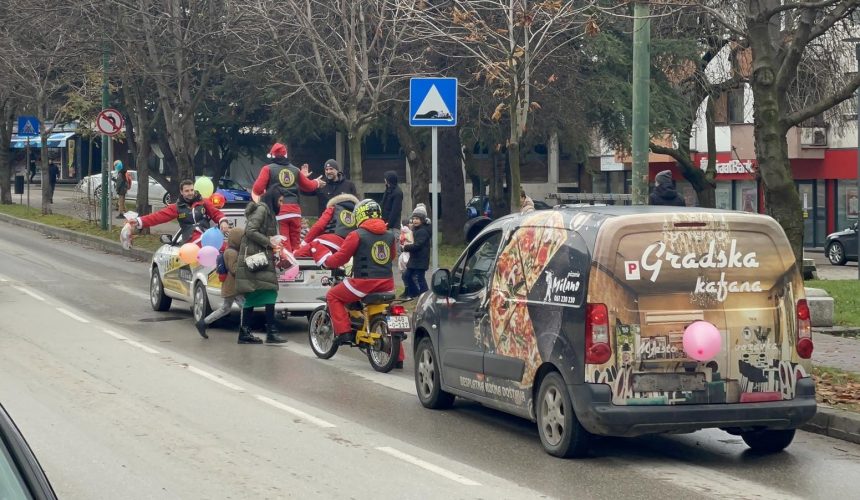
x,y
366,209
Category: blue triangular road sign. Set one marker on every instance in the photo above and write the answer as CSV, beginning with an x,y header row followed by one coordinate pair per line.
x,y
433,102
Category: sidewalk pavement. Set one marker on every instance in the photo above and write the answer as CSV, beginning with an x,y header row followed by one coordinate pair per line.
x,y
830,350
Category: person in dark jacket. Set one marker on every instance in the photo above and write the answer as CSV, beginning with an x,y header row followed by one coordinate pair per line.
x,y
392,201
415,277
335,184
260,287
664,191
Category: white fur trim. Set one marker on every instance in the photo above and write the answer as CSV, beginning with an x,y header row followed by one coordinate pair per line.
x,y
287,216
333,246
358,293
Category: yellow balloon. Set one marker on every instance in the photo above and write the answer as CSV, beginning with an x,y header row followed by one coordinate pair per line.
x,y
204,186
188,253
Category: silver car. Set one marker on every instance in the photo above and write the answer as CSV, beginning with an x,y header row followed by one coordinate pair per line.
x,y
170,279
92,185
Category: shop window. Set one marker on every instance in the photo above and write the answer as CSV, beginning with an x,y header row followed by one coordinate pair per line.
x,y
381,146
735,105
723,195
746,194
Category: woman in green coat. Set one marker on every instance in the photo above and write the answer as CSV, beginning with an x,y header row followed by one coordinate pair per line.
x,y
260,287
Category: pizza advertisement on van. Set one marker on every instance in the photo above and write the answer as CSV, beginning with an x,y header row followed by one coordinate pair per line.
x,y
659,276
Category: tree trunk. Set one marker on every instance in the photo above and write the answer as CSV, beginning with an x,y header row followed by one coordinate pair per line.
x,y
498,201
419,161
354,139
7,118
451,189
781,197
514,186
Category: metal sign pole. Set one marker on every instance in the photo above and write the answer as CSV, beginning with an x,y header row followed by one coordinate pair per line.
x,y
435,201
27,173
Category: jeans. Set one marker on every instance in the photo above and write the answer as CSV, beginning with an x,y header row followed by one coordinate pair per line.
x,y
416,281
225,309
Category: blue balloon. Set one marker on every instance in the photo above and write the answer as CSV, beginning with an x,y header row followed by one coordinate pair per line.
x,y
213,237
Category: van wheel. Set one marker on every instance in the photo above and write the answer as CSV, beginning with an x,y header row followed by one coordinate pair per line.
x,y
560,432
768,441
200,307
427,382
157,299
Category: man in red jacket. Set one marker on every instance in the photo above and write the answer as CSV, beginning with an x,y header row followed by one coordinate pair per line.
x,y
371,246
327,234
286,176
192,211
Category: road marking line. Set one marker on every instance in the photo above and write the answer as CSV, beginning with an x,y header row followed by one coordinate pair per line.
x,y
114,334
428,466
140,346
214,378
295,411
358,369
135,293
73,315
28,292
706,481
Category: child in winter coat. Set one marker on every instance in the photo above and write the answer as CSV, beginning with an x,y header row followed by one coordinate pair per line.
x,y
228,287
415,277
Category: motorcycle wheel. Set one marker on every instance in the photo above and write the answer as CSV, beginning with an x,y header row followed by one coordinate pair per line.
x,y
321,334
383,356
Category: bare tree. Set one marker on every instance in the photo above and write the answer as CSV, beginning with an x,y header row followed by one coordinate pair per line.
x,y
786,36
345,55
505,42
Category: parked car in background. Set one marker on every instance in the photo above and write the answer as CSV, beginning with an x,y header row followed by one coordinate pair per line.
x,y
841,246
232,191
92,184
477,221
21,476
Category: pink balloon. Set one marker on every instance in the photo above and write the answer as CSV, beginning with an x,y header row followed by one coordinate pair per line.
x,y
702,341
207,256
290,274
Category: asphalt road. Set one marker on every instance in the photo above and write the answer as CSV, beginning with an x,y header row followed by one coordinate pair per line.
x,y
119,401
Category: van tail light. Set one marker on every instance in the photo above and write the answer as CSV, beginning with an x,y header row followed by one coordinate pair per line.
x,y
804,330
597,349
397,310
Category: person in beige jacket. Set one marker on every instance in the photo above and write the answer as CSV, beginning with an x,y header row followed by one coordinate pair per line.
x,y
228,287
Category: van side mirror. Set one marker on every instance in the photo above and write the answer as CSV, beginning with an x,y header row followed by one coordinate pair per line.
x,y
166,239
441,282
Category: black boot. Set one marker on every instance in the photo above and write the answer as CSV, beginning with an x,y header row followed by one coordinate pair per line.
x,y
245,336
346,338
272,336
201,328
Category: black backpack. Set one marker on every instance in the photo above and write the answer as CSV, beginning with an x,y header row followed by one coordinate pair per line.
x,y
220,265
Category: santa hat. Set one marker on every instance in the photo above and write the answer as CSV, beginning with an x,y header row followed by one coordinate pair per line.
x,y
278,151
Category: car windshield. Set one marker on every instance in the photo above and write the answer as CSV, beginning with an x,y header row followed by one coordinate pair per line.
x,y
230,184
11,483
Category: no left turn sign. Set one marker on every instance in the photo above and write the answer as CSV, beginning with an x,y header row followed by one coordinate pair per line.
x,y
110,121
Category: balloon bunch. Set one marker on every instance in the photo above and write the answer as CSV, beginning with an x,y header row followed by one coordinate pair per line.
x,y
213,239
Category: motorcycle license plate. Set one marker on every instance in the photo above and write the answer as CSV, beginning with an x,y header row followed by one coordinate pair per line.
x,y
397,323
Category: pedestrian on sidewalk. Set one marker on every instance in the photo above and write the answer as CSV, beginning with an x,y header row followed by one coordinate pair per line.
x,y
260,286
526,204
335,184
392,203
664,191
122,183
291,181
228,286
32,171
415,277
53,175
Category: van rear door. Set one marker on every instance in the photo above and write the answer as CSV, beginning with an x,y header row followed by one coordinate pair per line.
x,y
658,273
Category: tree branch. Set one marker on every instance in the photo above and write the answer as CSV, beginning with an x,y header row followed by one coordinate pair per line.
x,y
768,13
846,92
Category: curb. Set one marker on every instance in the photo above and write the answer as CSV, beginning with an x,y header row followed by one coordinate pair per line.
x,y
838,331
83,239
838,424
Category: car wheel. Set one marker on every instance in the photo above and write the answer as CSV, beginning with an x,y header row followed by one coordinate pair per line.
x,y
768,441
97,192
321,333
167,199
560,431
157,299
836,254
200,307
427,381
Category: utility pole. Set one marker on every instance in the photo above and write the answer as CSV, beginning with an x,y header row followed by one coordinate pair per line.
x,y
641,101
105,198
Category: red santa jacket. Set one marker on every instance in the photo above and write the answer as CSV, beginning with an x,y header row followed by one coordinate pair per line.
x,y
194,212
327,227
262,183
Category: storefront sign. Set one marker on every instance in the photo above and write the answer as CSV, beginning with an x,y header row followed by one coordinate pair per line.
x,y
729,167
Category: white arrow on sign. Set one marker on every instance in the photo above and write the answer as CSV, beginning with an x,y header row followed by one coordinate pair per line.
x,y
110,121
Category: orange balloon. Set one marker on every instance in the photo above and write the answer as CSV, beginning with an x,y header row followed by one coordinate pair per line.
x,y
218,200
188,253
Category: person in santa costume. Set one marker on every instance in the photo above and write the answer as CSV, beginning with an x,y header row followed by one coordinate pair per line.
x,y
193,212
372,249
291,180
327,234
